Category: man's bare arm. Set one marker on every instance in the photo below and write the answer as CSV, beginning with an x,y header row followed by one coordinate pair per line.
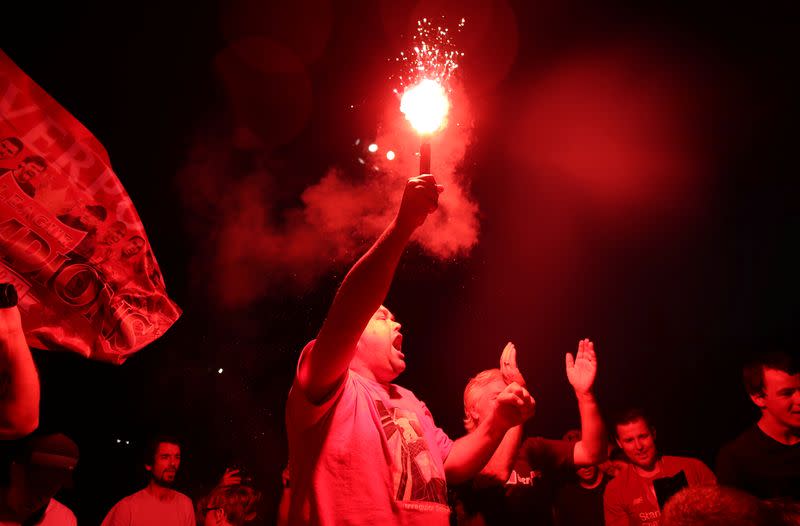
x,y
471,452
499,467
362,292
19,381
581,372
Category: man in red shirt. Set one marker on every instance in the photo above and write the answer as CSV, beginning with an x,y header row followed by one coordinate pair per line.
x,y
638,493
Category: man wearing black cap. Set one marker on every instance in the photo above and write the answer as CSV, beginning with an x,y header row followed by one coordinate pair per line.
x,y
43,465
19,381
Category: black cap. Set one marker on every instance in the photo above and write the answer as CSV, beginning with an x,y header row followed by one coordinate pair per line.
x,y
8,295
54,453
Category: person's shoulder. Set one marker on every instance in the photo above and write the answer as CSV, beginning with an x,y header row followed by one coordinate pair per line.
x,y
133,497
685,462
62,513
545,445
615,486
751,435
183,499
529,443
406,393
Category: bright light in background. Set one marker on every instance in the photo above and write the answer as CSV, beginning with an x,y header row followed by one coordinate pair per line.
x,y
390,155
372,147
219,371
425,105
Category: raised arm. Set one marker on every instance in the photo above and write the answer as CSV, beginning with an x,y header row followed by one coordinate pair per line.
x,y
581,372
471,452
362,292
19,381
499,467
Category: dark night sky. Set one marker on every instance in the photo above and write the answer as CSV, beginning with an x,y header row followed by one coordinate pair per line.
x,y
674,291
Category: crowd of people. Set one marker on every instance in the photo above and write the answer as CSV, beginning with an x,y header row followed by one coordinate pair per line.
x,y
363,450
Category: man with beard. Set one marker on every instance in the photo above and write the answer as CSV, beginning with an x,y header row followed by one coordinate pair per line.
x,y
765,459
158,503
638,493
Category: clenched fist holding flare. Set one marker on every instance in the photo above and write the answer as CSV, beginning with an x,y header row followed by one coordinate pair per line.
x,y
420,198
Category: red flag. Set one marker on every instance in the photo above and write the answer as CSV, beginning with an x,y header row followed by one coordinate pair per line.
x,y
70,239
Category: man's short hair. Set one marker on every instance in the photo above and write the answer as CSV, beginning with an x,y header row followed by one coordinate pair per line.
x,y
152,447
238,501
627,416
473,391
753,370
14,141
35,159
713,506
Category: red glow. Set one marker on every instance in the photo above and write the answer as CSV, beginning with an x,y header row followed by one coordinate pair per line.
x,y
620,127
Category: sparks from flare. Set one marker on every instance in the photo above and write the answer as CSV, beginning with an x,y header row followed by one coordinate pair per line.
x,y
424,80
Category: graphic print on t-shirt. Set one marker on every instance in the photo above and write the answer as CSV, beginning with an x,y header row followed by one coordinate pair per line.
x,y
416,475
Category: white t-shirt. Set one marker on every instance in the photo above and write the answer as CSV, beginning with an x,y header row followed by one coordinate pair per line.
x,y
56,514
143,509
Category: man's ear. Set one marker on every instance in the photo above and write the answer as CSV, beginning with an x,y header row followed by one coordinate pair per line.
x,y
758,399
476,417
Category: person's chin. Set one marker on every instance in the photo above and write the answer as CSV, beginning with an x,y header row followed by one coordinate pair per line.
x,y
398,367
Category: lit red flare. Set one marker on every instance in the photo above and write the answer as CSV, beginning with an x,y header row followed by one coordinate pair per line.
x,y
425,105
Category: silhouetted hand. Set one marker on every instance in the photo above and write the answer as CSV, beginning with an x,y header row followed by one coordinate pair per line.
x,y
420,198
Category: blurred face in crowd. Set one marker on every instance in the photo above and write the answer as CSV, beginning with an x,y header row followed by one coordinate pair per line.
x,y
637,441
486,400
115,232
8,149
30,490
27,171
780,399
587,474
133,246
166,462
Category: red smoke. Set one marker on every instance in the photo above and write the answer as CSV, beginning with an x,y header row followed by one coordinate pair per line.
x,y
255,247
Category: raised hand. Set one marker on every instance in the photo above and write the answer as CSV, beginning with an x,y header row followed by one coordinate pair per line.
x,y
231,477
581,369
508,366
514,405
420,198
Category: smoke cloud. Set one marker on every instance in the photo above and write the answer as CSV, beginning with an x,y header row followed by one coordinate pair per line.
x,y
255,245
